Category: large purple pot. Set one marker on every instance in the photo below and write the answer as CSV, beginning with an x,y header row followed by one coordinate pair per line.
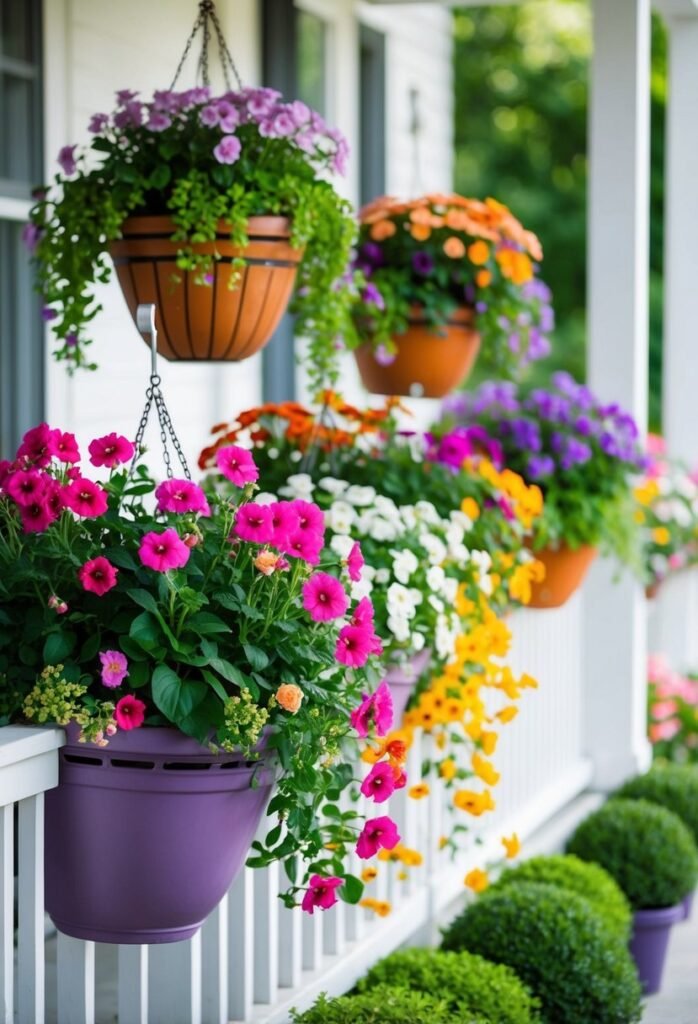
x,y
687,904
649,942
144,836
401,678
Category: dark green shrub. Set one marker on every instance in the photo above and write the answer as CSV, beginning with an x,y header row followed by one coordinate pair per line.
x,y
384,1005
551,937
467,981
646,848
674,786
597,887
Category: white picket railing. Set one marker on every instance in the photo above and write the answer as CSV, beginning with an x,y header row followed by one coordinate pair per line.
x,y
672,617
254,959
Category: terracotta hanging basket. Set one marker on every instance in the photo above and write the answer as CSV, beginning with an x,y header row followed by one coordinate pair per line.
x,y
428,364
565,570
199,322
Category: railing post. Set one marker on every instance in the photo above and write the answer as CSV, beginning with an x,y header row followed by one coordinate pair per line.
x,y
75,969
7,924
31,946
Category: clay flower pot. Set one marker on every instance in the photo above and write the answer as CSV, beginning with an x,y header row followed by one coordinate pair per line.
x,y
208,322
145,836
401,678
428,363
565,570
649,943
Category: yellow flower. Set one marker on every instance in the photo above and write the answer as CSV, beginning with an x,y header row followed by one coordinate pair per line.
x,y
477,880
515,265
507,713
485,770
488,742
368,875
380,907
472,802
523,576
512,845
443,842
646,492
410,858
470,508
419,791
402,876
660,535
448,769
479,253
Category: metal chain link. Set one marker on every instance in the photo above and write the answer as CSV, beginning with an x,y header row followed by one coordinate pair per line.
x,y
207,13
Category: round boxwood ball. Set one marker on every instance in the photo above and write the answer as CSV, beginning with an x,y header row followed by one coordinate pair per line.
x,y
384,1005
467,981
597,887
674,786
581,972
646,848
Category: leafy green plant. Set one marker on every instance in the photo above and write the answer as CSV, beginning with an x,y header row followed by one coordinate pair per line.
x,y
558,946
385,1004
674,786
646,848
575,875
199,159
469,982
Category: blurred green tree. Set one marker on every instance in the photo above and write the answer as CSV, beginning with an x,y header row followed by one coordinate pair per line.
x,y
521,87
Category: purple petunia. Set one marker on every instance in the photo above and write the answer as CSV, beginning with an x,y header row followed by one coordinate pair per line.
x,y
422,263
228,150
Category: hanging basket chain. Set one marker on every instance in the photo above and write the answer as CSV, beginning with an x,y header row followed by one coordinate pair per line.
x,y
206,18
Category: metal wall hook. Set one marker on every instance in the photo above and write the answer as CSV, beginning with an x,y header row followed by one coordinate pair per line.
x,y
145,322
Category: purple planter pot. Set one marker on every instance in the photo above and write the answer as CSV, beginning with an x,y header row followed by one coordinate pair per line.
x,y
145,836
649,942
687,904
401,678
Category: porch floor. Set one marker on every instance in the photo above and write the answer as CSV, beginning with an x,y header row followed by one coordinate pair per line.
x,y
677,1003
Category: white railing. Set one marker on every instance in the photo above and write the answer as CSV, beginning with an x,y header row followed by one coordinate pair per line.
x,y
672,617
253,959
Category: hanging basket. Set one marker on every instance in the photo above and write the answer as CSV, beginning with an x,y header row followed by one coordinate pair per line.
x,y
145,836
208,322
401,678
565,570
428,363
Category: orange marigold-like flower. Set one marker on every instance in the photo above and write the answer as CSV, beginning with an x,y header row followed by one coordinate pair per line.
x,y
380,907
368,875
454,247
418,791
382,229
483,278
420,232
477,880
479,253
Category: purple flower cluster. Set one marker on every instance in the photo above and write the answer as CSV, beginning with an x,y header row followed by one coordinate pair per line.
x,y
461,443
262,108
527,334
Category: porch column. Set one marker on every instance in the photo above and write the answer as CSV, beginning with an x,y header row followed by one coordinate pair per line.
x,y
615,619
675,633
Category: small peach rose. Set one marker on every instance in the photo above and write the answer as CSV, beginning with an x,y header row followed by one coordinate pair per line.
x,y
289,697
266,562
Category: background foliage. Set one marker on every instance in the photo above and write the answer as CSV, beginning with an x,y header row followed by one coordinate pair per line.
x,y
521,80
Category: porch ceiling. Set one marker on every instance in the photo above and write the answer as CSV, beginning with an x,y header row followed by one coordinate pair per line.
x,y
670,8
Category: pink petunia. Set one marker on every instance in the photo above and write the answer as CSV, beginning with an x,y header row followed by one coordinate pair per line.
x,y
378,834
129,712
237,465
303,545
85,498
284,520
324,597
322,893
354,646
65,447
664,730
37,445
310,518
355,563
26,486
228,150
664,709
37,517
163,551
181,496
376,709
98,575
114,668
110,450
380,783
253,523
363,613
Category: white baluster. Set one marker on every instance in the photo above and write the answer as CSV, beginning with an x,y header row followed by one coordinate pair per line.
x,y
241,945
333,929
30,954
214,940
312,941
133,984
7,925
266,933
75,968
174,994
290,946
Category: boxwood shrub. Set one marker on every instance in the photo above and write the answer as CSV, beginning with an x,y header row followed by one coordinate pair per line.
x,y
385,1004
581,972
467,981
597,887
646,848
674,786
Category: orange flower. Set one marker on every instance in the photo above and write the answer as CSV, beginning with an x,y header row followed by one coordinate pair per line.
x,y
454,248
368,874
488,742
477,880
382,229
422,215
507,713
512,846
289,697
470,508
483,278
419,791
472,802
380,907
479,253
515,265
266,562
420,232
457,220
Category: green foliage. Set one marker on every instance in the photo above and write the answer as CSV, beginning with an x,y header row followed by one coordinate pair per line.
x,y
672,786
575,875
385,1005
646,848
468,981
558,946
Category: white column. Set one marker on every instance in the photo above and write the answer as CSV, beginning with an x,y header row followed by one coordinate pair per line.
x,y
617,354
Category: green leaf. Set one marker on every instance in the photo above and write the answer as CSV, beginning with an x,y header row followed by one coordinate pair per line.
x,y
257,658
144,599
57,647
215,684
160,177
352,890
206,623
90,648
145,631
138,673
175,697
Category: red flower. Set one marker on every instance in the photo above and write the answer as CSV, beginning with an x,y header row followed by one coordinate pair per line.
x,y
37,517
129,712
37,445
98,575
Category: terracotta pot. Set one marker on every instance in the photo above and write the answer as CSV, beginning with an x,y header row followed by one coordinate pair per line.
x,y
428,363
208,322
565,570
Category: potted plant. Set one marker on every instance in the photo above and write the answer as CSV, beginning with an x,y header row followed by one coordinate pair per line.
x,y
387,1004
439,273
212,207
559,947
673,712
582,453
197,657
651,854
